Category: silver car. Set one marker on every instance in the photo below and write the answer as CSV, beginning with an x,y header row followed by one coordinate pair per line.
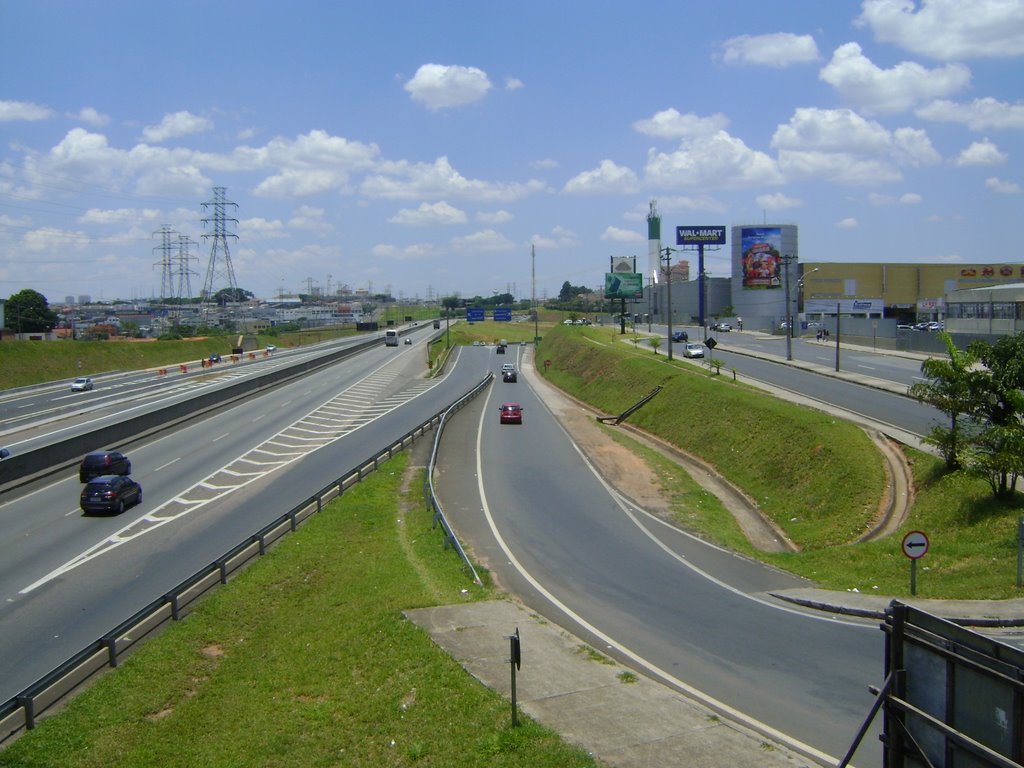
x,y
693,350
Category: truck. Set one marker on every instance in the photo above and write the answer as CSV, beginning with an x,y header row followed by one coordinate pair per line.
x,y
390,338
437,323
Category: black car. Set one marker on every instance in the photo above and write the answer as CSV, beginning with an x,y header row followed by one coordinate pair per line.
x,y
680,336
103,463
510,376
110,493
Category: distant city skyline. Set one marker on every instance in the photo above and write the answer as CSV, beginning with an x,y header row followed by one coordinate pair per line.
x,y
426,148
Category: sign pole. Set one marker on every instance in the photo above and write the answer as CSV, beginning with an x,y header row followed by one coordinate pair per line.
x,y
915,546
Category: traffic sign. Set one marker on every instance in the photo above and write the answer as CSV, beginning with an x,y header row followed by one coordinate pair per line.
x,y
915,545
502,314
475,314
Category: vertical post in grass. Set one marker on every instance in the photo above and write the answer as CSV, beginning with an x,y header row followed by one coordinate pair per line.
x,y
1020,551
515,661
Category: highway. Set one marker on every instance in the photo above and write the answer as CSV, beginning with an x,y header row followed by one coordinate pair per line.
x,y
532,508
698,618
66,578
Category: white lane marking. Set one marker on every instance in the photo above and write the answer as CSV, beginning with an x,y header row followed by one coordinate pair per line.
x,y
707,700
169,463
230,477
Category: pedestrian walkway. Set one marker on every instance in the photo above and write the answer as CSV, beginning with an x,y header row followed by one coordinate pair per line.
x,y
622,718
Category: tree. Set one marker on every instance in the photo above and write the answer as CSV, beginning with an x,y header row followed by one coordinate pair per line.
x,y
998,448
27,312
949,387
227,296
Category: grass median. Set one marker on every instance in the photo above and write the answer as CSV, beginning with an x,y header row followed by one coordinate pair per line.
x,y
306,660
818,477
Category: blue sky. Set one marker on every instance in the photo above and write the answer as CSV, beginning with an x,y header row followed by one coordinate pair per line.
x,y
424,147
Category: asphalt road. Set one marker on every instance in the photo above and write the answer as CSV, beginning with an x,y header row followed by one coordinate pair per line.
x,y
67,578
540,519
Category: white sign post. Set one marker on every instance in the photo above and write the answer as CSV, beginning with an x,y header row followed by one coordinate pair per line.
x,y
915,546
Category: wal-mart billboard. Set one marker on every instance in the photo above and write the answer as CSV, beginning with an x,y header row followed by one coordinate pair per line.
x,y
700,235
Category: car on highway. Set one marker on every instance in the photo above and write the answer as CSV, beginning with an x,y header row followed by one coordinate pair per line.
x,y
693,350
408,340
110,493
98,463
271,348
511,413
81,384
510,376
680,336
723,328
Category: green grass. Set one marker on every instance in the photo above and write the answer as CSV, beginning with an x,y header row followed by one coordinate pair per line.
x,y
306,660
819,478
32,362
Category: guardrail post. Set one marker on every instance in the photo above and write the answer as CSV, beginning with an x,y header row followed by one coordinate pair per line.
x,y
111,643
29,705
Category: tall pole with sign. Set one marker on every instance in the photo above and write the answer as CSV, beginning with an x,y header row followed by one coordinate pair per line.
x,y
700,236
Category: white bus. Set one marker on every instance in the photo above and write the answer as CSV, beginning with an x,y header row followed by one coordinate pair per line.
x,y
390,338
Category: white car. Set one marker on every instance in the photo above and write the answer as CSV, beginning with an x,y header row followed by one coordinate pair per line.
x,y
693,350
81,384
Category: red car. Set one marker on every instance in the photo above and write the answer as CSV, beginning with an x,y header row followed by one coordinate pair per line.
x,y
511,413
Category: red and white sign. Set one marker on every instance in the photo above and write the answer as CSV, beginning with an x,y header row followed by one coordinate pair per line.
x,y
915,545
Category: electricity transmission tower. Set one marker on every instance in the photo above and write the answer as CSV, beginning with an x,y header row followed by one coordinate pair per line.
x,y
183,273
219,270
166,262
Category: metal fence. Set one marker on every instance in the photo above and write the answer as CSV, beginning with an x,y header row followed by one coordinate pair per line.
x,y
22,711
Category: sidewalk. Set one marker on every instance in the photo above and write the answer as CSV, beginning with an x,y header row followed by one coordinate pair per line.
x,y
621,718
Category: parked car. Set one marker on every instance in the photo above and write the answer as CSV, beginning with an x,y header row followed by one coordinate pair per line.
x,y
511,413
693,350
99,463
110,493
81,384
680,336
936,326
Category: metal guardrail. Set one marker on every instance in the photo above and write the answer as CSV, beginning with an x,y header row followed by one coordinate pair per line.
x,y
22,711
439,518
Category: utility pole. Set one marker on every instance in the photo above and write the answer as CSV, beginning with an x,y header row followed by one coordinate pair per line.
x,y
789,317
667,258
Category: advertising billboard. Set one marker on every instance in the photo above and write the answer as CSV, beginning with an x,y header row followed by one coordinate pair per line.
x,y
761,257
623,285
700,235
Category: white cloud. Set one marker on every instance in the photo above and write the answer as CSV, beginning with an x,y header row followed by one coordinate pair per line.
x,y
309,218
427,214
948,29
607,178
1003,186
23,110
777,50
513,84
485,240
413,252
560,238
545,163
981,153
719,161
619,235
259,227
494,217
405,180
898,89
438,86
118,216
92,117
680,203
979,115
907,198
176,125
670,124
847,223
778,202
841,146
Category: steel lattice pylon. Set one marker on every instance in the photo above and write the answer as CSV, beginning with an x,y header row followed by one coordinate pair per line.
x,y
219,272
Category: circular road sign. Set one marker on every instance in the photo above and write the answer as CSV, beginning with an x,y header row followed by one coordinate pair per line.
x,y
915,545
